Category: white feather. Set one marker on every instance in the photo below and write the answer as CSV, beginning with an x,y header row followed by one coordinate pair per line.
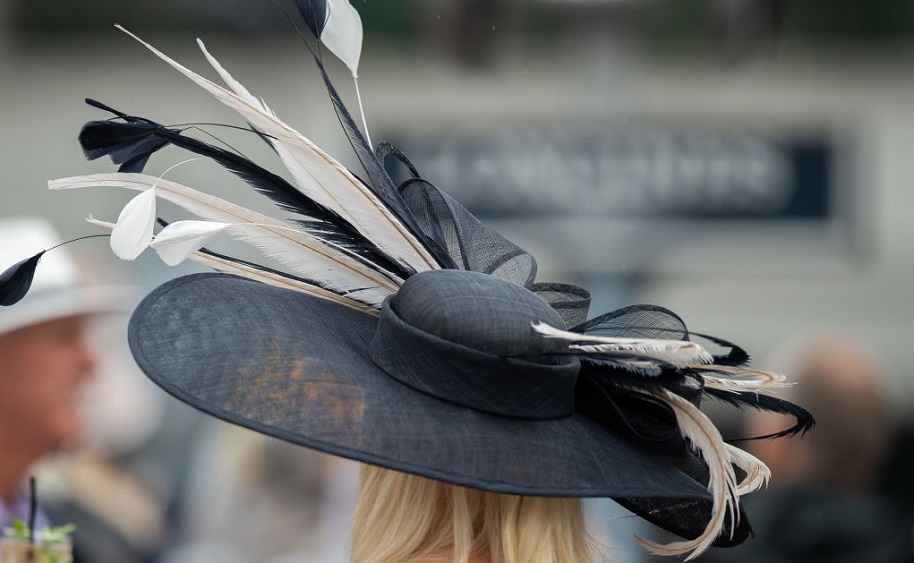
x,y
301,251
675,352
342,33
133,231
320,176
177,241
757,473
705,438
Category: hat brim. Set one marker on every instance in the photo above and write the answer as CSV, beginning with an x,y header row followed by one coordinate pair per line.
x,y
69,302
296,368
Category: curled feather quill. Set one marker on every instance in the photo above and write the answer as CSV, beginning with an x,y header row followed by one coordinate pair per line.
x,y
757,473
804,421
707,441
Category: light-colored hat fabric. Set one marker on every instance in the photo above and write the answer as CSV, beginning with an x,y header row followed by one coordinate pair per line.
x,y
57,290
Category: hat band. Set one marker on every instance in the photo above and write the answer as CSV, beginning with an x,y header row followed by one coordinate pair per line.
x,y
478,380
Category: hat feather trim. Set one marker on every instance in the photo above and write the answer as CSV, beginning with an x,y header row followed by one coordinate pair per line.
x,y
256,272
331,265
757,473
751,399
126,142
319,175
673,352
707,441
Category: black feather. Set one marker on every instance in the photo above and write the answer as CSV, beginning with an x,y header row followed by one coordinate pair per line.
x,y
314,12
129,146
742,400
16,280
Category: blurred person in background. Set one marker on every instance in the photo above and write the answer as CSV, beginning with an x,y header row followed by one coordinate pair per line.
x,y
821,505
50,402
44,360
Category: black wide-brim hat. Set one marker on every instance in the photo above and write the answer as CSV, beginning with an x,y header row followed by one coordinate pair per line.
x,y
421,390
328,377
399,330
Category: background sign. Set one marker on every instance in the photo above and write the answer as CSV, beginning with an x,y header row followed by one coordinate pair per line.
x,y
628,172
614,199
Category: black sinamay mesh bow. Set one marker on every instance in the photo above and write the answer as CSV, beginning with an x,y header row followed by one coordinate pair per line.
x,y
399,330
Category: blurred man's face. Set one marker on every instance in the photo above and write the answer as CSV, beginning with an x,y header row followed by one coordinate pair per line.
x,y
41,370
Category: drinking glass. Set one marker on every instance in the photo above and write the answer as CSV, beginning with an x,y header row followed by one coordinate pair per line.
x,y
14,549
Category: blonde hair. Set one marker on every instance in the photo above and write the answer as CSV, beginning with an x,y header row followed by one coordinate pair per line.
x,y
401,518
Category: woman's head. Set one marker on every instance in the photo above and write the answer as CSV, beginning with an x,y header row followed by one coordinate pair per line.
x,y
401,517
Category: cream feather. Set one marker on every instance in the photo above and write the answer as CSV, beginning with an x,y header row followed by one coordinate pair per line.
x,y
735,378
236,87
301,251
318,175
757,473
674,352
705,438
270,278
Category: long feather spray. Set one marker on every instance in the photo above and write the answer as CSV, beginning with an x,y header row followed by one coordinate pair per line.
x,y
705,438
674,352
242,92
320,176
305,254
97,136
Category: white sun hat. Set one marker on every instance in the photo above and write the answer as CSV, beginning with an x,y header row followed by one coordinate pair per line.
x,y
58,290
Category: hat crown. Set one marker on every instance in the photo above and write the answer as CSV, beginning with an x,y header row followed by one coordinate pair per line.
x,y
477,311
468,338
